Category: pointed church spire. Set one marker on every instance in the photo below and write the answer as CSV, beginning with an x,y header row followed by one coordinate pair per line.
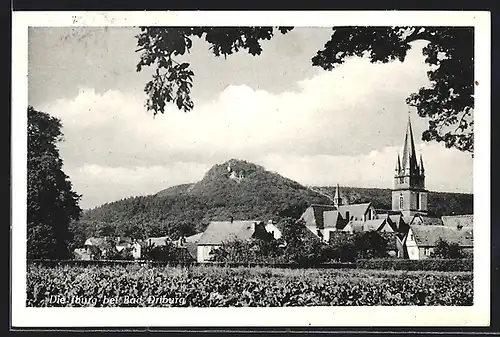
x,y
398,165
337,199
409,156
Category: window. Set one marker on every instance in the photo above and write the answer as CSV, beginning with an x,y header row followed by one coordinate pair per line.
x,y
418,201
427,252
401,180
401,201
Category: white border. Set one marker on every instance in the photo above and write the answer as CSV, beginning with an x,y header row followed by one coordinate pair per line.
x,y
476,315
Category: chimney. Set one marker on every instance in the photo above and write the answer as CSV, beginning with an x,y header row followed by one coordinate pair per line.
x,y
231,219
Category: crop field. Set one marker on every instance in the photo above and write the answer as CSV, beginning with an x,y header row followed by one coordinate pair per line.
x,y
210,286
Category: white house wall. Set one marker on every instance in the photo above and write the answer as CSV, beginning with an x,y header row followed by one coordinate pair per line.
x,y
412,247
203,252
136,251
270,228
327,233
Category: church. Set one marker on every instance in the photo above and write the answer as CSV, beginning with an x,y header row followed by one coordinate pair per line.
x,y
414,231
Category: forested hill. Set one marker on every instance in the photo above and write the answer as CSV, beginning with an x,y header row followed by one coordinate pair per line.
x,y
245,191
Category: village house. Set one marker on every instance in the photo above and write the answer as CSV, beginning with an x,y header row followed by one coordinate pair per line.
x,y
95,247
218,232
421,240
82,254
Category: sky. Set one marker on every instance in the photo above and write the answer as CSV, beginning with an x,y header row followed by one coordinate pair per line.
x,y
317,127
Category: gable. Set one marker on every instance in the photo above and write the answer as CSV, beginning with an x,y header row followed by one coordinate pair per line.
x,y
313,215
385,227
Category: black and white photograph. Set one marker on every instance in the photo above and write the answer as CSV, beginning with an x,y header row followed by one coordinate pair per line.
x,y
323,166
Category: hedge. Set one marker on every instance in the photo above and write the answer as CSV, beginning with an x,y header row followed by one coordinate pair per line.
x,y
85,263
382,264
427,264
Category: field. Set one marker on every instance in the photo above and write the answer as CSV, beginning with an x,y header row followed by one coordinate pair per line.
x,y
209,286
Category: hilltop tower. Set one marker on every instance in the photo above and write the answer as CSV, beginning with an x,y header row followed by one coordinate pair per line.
x,y
409,194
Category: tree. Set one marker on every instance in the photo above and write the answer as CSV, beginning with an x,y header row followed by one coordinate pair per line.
x,y
446,250
51,202
343,246
448,102
370,245
300,245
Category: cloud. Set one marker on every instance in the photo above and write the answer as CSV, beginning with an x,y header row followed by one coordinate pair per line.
x,y
100,184
344,126
446,169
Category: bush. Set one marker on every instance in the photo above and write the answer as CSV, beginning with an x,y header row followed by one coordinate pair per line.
x,y
167,253
446,250
348,247
427,264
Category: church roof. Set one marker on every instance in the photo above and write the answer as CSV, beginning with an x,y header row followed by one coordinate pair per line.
x,y
337,196
333,219
365,226
355,210
318,213
409,160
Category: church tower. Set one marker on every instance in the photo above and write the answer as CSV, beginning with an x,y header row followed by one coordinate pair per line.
x,y
337,199
409,194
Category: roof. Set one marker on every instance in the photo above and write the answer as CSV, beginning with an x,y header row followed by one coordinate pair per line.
x,y
123,239
396,219
81,254
369,225
194,238
387,212
426,220
192,248
158,241
431,221
407,219
95,242
308,234
355,210
221,231
373,225
466,220
409,160
333,219
318,211
428,236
